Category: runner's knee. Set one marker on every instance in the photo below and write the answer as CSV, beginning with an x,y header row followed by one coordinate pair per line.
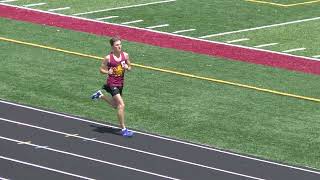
x,y
121,106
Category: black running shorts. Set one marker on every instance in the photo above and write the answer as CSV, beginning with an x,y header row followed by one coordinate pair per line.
x,y
113,90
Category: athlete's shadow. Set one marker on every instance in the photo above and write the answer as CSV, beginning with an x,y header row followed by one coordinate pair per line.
x,y
105,129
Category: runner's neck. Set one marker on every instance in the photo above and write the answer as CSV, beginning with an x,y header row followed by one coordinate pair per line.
x,y
117,56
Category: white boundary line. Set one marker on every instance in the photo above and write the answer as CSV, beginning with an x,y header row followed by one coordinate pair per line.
x,y
159,32
124,7
89,158
261,27
127,148
163,138
317,56
43,167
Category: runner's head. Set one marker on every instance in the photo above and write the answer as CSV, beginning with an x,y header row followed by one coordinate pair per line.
x,y
115,43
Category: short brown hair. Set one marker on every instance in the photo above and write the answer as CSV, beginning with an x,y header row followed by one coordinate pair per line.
x,y
114,39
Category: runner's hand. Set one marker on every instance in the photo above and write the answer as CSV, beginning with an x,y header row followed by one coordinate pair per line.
x,y
110,71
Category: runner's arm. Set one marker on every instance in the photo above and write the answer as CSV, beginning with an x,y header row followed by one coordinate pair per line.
x,y
104,69
128,62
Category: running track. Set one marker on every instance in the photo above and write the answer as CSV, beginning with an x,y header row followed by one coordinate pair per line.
x,y
39,144
239,53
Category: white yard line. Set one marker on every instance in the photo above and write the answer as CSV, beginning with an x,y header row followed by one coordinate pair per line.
x,y
6,1
35,4
127,148
158,26
124,7
43,167
131,22
238,40
261,27
58,9
293,50
265,45
109,17
181,31
317,56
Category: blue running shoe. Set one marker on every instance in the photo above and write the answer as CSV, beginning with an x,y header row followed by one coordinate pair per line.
x,y
126,133
96,95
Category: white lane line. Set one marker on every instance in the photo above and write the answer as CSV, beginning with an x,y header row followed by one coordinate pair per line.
x,y
90,139
41,147
158,26
317,56
109,17
1,178
7,1
181,31
163,138
266,45
71,135
27,142
132,22
238,40
293,50
261,27
89,158
46,168
58,9
124,7
131,149
35,4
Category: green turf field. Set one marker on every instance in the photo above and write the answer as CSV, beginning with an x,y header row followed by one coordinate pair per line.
x,y
246,121
83,6
285,37
211,17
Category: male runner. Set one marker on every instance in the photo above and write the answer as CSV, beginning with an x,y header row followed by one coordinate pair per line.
x,y
114,65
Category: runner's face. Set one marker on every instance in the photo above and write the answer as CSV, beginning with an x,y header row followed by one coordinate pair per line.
x,y
117,46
